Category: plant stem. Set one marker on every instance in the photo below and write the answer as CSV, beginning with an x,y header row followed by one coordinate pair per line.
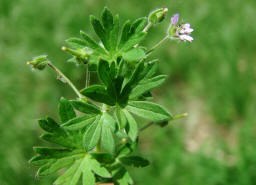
x,y
158,44
147,27
178,116
146,126
87,76
66,80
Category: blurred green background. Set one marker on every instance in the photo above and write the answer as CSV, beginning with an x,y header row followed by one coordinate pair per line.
x,y
213,79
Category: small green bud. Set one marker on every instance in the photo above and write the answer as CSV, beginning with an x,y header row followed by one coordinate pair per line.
x,y
81,55
39,62
158,15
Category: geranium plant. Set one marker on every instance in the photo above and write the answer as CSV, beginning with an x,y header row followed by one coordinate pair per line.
x,y
97,132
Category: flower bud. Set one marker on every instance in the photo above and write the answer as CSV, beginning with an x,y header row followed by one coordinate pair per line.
x,y
82,55
39,62
158,15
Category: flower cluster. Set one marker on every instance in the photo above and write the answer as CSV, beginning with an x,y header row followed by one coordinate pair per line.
x,y
180,31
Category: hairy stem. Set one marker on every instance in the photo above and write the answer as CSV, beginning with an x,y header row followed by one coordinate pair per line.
x,y
147,27
66,80
158,44
178,116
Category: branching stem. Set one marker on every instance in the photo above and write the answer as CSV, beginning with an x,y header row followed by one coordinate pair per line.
x,y
178,116
66,80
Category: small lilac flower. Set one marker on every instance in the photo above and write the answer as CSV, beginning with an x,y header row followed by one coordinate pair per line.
x,y
186,29
175,19
186,38
181,31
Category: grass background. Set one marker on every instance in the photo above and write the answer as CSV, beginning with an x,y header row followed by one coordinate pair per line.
x,y
213,79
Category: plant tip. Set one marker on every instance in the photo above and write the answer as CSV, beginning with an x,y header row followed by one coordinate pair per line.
x,y
64,48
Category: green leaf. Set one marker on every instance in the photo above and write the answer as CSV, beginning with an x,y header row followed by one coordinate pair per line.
x,y
135,161
52,152
134,55
57,139
76,43
97,168
151,68
76,176
121,176
66,111
103,158
85,107
146,86
108,126
135,39
138,25
49,125
79,122
125,33
104,72
107,140
127,148
108,121
132,129
98,93
99,30
120,117
88,177
146,96
53,167
107,19
92,44
135,78
149,110
113,35
67,175
132,34
92,135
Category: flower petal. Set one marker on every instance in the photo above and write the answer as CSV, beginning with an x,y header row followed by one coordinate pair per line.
x,y
175,19
186,38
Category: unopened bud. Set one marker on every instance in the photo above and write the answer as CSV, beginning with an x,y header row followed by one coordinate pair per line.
x,y
81,55
39,62
158,15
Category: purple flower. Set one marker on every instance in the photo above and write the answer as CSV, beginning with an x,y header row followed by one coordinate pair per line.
x,y
184,32
175,19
